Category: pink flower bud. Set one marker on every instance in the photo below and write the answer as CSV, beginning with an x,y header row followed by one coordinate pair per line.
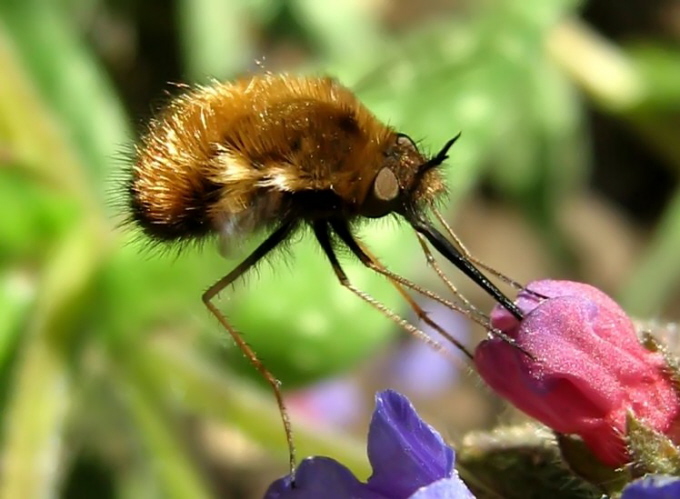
x,y
588,370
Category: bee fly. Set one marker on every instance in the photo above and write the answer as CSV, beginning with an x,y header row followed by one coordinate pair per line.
x,y
275,153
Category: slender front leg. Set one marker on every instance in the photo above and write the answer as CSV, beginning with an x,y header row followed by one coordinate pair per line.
x,y
342,230
417,309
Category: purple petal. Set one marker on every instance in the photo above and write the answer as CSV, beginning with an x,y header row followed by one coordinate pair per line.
x,y
447,488
405,452
320,477
653,487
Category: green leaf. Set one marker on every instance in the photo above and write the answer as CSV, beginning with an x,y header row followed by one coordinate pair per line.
x,y
651,451
29,131
582,463
35,421
517,462
660,67
17,291
656,276
341,29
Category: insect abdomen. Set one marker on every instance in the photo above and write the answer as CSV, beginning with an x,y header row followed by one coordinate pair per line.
x,y
180,215
172,193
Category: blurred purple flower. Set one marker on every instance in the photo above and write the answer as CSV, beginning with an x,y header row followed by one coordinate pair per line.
x,y
335,401
409,459
653,487
415,367
418,368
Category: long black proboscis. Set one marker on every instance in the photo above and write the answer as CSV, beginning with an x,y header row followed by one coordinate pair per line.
x,y
449,251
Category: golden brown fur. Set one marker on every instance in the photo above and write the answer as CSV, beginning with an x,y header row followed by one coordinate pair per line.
x,y
228,154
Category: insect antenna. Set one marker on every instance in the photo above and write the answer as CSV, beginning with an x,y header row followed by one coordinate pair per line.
x,y
272,241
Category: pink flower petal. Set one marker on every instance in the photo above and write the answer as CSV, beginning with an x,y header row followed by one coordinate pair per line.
x,y
589,367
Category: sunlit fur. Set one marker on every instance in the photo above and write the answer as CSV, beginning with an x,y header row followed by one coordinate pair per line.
x,y
233,158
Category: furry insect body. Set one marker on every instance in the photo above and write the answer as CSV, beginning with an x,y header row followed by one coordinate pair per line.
x,y
233,158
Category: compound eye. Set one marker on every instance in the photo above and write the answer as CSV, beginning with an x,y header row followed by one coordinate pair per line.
x,y
385,186
383,196
405,141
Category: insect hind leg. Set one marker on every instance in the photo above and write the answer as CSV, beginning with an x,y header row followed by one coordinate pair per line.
x,y
273,240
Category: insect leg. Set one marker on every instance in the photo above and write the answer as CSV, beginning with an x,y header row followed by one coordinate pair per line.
x,y
257,255
322,233
417,309
342,230
429,257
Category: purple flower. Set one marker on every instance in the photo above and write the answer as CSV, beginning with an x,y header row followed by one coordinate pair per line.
x,y
653,487
409,459
321,477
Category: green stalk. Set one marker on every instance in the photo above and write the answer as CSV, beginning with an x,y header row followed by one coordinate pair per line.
x,y
41,394
169,461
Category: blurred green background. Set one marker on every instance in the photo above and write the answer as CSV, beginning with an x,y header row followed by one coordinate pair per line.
x,y
115,381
